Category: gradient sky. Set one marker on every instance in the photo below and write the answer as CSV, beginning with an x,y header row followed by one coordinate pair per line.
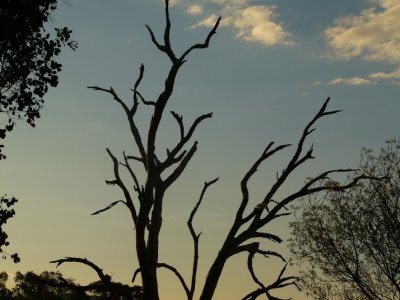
x,y
268,70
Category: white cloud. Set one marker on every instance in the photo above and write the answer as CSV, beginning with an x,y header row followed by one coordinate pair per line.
x,y
207,22
373,78
255,24
383,75
351,81
252,23
373,35
194,9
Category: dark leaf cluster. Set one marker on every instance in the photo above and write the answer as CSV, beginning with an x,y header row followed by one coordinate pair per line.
x,y
28,64
6,213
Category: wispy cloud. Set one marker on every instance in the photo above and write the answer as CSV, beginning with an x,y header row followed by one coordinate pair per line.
x,y
194,9
172,2
372,78
383,75
351,81
374,34
207,22
252,23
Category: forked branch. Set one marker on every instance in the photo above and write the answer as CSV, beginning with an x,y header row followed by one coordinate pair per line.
x,y
280,282
118,181
203,45
171,158
246,227
108,207
167,49
129,113
168,267
196,237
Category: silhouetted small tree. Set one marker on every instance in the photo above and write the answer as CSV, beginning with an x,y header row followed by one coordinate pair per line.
x,y
46,285
250,225
349,241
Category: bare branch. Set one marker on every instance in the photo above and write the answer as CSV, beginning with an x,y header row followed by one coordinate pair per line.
x,y
296,160
136,101
243,185
108,207
179,119
266,235
172,269
181,167
105,278
205,44
196,207
306,190
134,158
129,113
171,155
141,72
177,274
280,282
154,40
135,92
250,265
133,175
176,159
166,48
118,181
135,274
112,93
145,101
196,237
254,247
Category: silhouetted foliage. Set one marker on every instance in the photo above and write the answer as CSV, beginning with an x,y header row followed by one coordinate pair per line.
x,y
249,230
5,294
28,67
28,63
47,285
350,240
6,213
53,286
101,292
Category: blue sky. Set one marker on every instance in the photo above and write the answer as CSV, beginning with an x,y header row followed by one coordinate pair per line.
x,y
268,70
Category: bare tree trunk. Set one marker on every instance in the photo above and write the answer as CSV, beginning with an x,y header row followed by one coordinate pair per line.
x,y
213,276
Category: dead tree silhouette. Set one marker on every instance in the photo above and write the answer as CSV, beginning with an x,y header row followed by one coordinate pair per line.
x,y
250,223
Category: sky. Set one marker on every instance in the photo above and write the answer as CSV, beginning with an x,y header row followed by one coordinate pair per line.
x,y
267,71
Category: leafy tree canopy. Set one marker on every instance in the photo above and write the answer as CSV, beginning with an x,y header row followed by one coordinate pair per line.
x,y
350,239
28,63
28,67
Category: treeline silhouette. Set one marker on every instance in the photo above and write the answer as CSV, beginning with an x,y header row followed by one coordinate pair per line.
x,y
52,285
